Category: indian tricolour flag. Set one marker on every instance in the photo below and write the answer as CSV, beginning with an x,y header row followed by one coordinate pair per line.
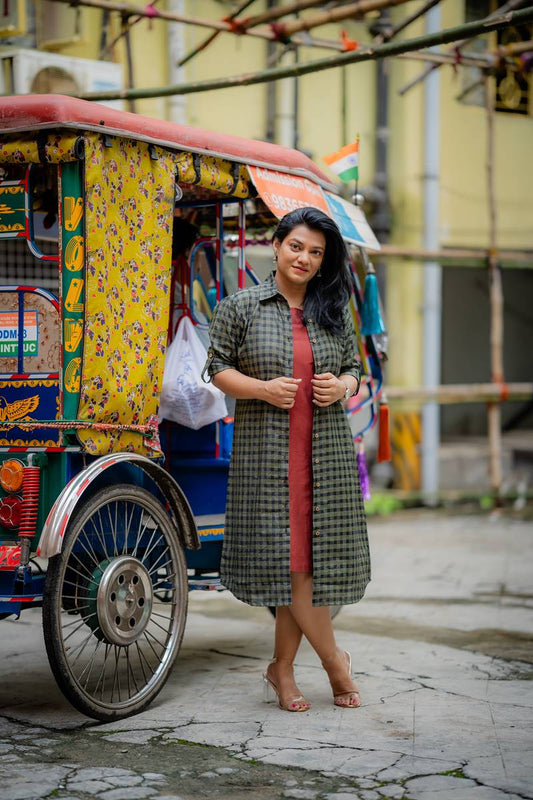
x,y
345,162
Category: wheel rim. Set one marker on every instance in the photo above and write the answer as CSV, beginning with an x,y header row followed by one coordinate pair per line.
x,y
122,596
123,602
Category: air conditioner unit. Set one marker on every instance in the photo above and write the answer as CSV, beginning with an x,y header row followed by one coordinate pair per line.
x,y
40,72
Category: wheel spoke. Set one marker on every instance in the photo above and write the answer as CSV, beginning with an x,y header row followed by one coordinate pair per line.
x,y
141,662
165,616
127,525
102,674
92,555
165,580
165,630
79,624
132,670
140,535
161,566
116,677
85,577
149,546
89,665
74,597
149,633
83,646
143,656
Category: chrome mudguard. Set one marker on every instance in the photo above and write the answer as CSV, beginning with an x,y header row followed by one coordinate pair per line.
x,y
51,540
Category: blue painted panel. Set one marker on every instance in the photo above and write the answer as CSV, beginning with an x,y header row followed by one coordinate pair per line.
x,y
28,399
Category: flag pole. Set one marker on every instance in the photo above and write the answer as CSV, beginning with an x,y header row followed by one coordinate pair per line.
x,y
357,138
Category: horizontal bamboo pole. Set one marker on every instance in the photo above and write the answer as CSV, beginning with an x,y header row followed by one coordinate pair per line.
x,y
338,14
446,497
273,14
522,258
371,53
461,393
515,48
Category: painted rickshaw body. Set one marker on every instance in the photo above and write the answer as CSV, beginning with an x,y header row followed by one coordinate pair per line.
x,y
102,509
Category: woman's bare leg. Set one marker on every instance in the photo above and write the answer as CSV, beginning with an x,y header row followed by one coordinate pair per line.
x,y
286,643
315,623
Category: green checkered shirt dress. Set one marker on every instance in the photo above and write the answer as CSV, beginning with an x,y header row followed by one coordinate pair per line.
x,y
251,331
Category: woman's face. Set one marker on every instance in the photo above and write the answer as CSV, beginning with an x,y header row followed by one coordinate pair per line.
x,y
300,255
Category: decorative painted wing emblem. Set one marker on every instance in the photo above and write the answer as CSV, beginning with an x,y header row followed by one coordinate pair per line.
x,y
19,409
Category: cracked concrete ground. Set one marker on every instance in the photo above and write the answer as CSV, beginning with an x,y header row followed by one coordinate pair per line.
x,y
442,652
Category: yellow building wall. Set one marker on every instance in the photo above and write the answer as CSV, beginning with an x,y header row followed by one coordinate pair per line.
x,y
239,111
149,50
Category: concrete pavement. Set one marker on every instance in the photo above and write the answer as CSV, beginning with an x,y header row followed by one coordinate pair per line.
x,y
442,650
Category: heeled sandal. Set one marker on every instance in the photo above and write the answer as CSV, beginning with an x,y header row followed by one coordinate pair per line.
x,y
271,692
351,698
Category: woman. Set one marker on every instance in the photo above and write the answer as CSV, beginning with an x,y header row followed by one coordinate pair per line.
x,y
295,532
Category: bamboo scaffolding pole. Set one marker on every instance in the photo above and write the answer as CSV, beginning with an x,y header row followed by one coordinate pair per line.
x,y
129,63
515,48
338,14
496,302
212,36
432,57
523,258
386,36
277,12
365,54
449,394
503,10
125,27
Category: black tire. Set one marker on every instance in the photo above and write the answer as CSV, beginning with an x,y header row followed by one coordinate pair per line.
x,y
115,601
333,610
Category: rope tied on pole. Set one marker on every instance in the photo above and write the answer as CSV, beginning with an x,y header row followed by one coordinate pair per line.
x,y
279,29
347,43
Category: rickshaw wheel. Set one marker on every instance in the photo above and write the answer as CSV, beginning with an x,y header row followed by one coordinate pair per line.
x,y
115,603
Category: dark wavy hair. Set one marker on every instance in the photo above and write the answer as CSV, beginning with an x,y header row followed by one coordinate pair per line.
x,y
328,293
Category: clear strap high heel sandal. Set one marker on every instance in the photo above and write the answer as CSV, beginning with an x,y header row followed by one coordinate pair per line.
x,y
349,698
271,693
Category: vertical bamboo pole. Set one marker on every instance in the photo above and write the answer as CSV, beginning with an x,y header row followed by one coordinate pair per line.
x,y
496,303
125,28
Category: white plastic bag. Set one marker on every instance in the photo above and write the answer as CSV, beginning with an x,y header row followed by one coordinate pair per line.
x,y
185,398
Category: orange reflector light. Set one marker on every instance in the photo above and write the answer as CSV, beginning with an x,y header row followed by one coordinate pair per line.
x,y
11,475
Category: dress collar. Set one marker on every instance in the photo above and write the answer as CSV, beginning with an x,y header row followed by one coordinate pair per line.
x,y
269,287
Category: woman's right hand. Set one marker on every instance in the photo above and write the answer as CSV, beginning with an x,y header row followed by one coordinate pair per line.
x,y
281,392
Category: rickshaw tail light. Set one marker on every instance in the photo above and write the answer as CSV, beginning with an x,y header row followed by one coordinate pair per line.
x,y
10,511
12,475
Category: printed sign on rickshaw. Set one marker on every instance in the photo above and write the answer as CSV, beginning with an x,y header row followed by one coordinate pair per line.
x,y
9,333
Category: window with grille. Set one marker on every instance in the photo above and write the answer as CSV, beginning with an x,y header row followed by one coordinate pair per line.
x,y
513,83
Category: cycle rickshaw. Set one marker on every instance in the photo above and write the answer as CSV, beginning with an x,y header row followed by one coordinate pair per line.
x,y
102,510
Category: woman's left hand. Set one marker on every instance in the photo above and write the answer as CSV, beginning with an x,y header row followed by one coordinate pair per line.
x,y
327,389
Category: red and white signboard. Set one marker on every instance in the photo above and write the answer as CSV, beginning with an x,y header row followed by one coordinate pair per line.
x,y
283,192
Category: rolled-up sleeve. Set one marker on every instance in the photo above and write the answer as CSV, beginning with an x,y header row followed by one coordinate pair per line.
x,y
350,360
225,331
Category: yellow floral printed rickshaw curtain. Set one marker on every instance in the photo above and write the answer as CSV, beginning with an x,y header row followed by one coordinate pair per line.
x,y
23,148
129,201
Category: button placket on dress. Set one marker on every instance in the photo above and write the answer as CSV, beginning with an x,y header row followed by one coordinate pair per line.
x,y
317,499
